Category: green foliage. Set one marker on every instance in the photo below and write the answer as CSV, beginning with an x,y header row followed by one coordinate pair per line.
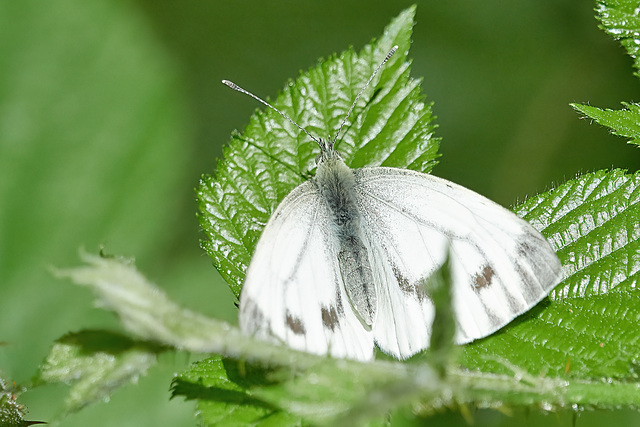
x,y
576,349
624,122
588,327
11,413
96,363
620,19
390,126
222,401
593,223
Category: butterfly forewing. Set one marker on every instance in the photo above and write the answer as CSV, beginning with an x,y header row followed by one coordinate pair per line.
x,y
293,291
501,265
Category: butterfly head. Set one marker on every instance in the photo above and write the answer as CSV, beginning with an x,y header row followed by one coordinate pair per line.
x,y
327,151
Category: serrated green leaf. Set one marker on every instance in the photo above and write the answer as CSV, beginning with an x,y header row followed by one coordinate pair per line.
x,y
624,123
593,222
620,19
11,412
390,126
95,363
587,329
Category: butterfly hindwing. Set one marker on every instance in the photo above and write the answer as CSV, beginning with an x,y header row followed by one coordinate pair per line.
x,y
501,265
293,291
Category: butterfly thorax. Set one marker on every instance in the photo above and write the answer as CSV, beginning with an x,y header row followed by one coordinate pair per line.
x,y
336,183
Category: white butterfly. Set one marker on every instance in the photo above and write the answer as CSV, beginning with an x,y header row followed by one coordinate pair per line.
x,y
341,263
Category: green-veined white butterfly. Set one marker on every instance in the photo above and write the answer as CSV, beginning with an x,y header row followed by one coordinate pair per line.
x,y
340,265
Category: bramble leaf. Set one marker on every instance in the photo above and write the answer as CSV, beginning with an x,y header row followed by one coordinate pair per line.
x,y
620,19
390,126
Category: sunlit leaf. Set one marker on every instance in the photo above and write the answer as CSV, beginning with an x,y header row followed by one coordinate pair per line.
x,y
621,20
625,123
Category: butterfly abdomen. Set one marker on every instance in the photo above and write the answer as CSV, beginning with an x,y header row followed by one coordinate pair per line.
x,y
336,183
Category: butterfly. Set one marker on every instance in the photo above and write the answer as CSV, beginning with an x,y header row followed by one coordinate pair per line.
x,y
340,266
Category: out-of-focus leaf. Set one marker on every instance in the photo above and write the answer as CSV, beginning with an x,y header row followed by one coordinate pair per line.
x,y
95,363
222,401
147,313
92,147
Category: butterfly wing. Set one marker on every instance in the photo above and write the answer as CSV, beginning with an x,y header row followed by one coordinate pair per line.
x,y
293,291
501,266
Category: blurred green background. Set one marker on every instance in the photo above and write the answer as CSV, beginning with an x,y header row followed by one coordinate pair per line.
x,y
111,110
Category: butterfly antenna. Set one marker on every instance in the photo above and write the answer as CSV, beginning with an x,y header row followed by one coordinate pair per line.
x,y
386,58
234,86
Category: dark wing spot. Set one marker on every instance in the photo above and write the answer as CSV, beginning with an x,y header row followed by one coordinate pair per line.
x,y
339,302
407,287
256,316
483,279
536,253
525,249
295,324
329,317
403,282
